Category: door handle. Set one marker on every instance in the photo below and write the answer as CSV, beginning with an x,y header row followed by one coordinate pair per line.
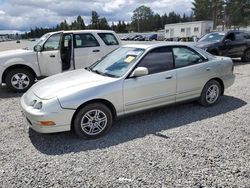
x,y
169,77
96,51
208,69
52,55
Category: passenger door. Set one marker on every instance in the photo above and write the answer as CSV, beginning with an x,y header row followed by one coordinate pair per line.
x,y
192,72
86,50
155,89
49,58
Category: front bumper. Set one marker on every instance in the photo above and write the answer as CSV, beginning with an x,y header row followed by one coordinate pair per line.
x,y
61,117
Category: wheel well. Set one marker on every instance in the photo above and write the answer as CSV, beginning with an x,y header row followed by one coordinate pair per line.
x,y
17,67
103,101
214,52
221,83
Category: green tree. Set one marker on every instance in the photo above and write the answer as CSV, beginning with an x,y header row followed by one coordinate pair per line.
x,y
141,19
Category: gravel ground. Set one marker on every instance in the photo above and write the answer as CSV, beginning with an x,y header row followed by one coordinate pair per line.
x,y
177,146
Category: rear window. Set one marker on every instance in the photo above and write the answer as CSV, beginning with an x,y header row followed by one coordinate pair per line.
x,y
108,38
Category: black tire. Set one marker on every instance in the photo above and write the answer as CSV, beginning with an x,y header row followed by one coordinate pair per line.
x,y
26,80
88,116
213,98
246,56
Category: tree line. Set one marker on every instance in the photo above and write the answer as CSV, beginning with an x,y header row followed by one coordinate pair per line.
x,y
228,13
148,21
223,12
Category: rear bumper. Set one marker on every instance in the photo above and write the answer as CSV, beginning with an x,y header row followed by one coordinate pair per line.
x,y
228,80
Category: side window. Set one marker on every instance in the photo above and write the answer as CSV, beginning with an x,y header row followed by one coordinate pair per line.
x,y
231,36
85,40
52,43
158,60
185,56
108,38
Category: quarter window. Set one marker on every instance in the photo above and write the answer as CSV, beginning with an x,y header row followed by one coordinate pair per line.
x,y
185,56
85,40
108,38
158,60
52,43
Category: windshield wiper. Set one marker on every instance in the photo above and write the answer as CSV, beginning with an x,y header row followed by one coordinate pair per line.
x,y
88,69
104,74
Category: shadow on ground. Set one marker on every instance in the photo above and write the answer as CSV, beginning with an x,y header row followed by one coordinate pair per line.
x,y
133,127
6,93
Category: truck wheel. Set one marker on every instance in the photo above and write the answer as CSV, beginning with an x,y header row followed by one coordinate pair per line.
x,y
19,80
93,121
246,56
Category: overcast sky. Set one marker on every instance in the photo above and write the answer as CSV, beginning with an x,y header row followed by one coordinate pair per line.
x,y
25,14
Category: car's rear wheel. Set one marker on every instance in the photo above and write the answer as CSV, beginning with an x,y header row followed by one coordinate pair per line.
x,y
93,121
246,56
210,93
19,80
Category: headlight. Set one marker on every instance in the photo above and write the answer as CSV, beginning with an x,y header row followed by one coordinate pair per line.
x,y
38,105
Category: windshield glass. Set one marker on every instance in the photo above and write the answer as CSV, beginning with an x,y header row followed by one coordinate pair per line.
x,y
117,62
212,37
42,39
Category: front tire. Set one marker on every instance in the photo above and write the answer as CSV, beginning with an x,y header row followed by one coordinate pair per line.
x,y
210,93
93,121
246,56
19,80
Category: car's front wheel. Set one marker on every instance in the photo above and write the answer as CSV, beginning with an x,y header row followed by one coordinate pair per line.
x,y
246,56
210,93
19,80
93,121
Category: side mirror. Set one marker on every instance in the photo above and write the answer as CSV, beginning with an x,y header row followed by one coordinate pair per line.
x,y
227,41
37,48
139,71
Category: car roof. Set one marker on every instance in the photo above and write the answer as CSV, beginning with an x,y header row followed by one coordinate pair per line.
x,y
158,44
83,31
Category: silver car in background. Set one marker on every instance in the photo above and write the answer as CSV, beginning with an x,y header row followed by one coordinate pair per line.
x,y
130,79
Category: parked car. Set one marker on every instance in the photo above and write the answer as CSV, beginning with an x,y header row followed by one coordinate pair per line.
x,y
54,53
125,38
151,37
140,38
130,79
229,43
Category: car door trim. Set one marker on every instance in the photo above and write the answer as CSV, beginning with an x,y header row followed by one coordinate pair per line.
x,y
148,99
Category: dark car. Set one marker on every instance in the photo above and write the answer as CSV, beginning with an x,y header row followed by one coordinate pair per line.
x,y
233,44
140,38
151,37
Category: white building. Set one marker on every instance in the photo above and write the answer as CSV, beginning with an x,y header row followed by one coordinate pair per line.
x,y
188,29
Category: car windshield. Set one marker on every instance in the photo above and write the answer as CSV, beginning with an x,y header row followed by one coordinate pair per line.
x,y
212,37
42,39
38,42
117,62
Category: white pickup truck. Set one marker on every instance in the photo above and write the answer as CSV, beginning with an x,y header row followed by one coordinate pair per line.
x,y
54,53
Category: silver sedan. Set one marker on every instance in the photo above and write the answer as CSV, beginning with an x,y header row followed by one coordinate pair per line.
x,y
130,79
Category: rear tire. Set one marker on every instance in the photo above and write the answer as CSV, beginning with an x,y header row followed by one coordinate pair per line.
x,y
19,80
246,56
211,93
93,121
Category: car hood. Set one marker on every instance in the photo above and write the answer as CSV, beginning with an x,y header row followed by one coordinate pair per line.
x,y
19,53
15,52
205,44
68,82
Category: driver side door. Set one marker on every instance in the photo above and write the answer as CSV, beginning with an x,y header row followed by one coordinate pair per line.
x,y
49,58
